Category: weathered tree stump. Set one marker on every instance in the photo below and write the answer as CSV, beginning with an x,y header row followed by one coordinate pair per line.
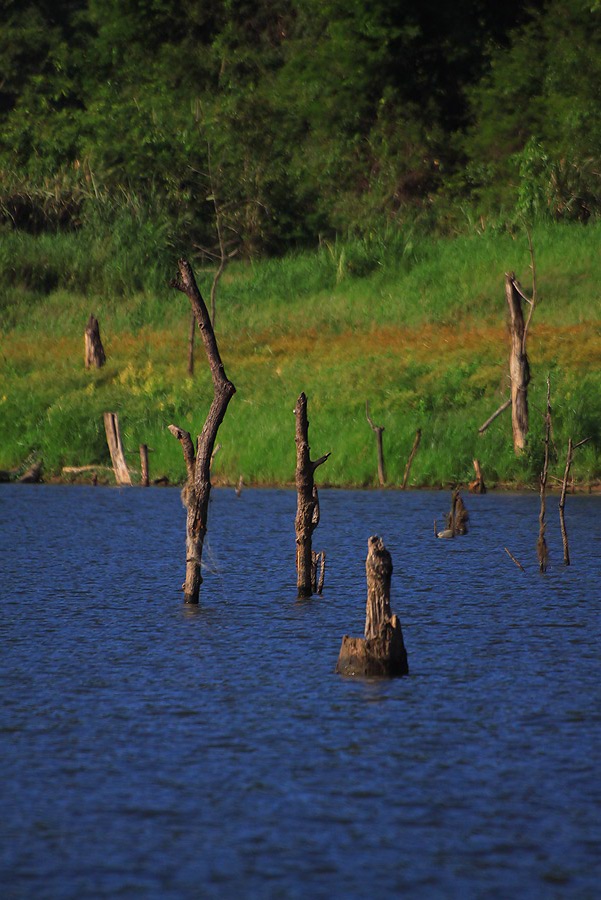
x,y
457,518
197,490
381,652
94,355
307,508
113,439
33,475
519,369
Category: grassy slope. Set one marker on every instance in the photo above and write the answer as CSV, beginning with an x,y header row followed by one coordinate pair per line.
x,y
422,337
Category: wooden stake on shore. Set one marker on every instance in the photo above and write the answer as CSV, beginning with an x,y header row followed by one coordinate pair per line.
x,y
418,437
94,355
115,445
144,477
378,431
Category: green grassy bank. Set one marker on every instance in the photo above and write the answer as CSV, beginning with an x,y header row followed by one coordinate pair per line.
x,y
416,326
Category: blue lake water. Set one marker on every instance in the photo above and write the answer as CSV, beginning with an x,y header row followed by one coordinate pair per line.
x,y
157,751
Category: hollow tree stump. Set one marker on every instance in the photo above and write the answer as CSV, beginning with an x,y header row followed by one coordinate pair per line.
x,y
381,652
197,490
94,355
307,508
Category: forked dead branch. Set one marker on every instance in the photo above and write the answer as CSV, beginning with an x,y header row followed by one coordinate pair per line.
x,y
197,489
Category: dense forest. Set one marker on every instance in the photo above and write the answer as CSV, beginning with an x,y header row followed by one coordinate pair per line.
x,y
273,124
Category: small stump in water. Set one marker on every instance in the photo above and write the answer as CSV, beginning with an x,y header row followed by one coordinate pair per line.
x,y
381,652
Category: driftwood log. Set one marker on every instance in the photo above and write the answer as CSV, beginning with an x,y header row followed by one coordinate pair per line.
x,y
307,507
115,445
94,355
196,492
381,652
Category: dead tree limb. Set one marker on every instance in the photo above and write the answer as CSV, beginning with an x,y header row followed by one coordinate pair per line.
x,y
381,652
492,418
477,486
94,355
307,509
519,369
418,437
541,545
562,499
115,445
378,430
197,490
512,557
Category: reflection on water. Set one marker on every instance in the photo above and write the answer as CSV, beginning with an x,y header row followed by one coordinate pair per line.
x,y
159,750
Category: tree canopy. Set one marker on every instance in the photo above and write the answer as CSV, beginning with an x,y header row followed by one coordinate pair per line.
x,y
296,119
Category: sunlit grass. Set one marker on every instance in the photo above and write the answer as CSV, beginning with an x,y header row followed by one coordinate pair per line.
x,y
421,337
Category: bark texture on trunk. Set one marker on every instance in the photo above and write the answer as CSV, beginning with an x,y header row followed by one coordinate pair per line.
x,y
115,445
197,490
94,355
519,369
307,507
381,652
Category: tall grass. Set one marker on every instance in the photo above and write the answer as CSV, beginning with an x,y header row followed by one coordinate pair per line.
x,y
414,325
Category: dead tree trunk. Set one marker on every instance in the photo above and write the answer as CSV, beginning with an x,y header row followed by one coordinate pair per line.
x,y
378,430
94,355
519,369
307,509
113,439
144,479
381,652
541,545
196,492
418,437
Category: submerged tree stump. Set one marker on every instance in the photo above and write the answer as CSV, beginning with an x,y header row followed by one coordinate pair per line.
x,y
381,652
94,355
307,508
197,490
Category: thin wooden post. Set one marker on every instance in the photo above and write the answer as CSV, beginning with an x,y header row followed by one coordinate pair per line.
x,y
541,545
418,437
519,369
144,479
196,492
115,445
378,430
381,651
562,499
307,509
94,355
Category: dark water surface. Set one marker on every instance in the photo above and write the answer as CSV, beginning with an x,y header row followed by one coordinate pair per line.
x,y
152,750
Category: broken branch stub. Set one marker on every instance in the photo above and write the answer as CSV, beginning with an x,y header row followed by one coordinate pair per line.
x,y
307,508
196,493
381,652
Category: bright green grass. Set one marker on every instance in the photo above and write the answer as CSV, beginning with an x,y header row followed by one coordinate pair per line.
x,y
307,322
